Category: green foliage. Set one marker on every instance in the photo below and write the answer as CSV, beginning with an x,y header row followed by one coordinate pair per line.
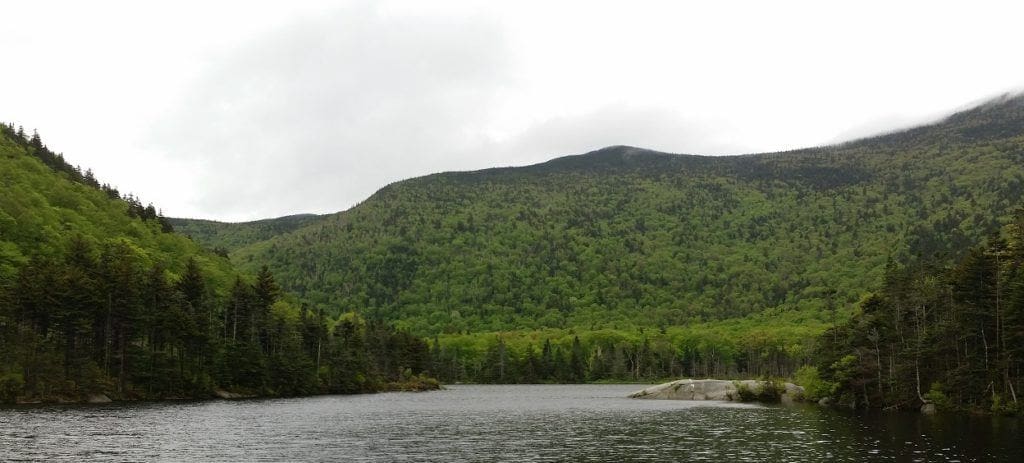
x,y
763,253
11,385
815,388
226,237
936,396
624,238
771,391
745,393
1005,407
844,372
414,383
621,264
97,295
958,327
767,391
737,348
47,203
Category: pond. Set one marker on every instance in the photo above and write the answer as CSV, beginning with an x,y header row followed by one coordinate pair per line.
x,y
496,423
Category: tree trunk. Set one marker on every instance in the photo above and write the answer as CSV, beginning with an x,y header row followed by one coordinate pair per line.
x,y
917,374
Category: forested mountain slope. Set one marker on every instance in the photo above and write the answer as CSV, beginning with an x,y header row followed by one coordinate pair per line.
x,y
223,237
47,204
98,295
624,237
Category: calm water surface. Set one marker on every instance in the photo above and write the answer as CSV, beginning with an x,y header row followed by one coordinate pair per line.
x,y
495,423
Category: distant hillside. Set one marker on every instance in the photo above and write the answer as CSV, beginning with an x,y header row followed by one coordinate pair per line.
x,y
227,237
626,237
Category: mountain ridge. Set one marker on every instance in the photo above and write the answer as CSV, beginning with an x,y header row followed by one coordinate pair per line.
x,y
800,216
622,152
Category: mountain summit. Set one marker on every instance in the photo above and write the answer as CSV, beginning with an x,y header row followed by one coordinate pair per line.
x,y
624,236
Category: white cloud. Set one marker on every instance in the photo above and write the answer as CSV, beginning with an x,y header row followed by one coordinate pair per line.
x,y
322,112
243,110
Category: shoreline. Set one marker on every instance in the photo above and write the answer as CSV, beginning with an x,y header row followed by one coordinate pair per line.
x,y
420,385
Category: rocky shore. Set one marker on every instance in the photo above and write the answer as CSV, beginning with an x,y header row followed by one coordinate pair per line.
x,y
719,389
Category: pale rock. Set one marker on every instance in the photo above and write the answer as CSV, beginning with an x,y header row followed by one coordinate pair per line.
x,y
709,389
230,395
98,399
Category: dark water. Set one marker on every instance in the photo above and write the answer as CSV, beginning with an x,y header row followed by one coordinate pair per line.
x,y
495,423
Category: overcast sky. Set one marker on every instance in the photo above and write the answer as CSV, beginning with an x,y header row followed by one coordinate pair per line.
x,y
245,110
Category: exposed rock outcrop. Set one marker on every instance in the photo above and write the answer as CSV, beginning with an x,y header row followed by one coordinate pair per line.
x,y
711,389
98,399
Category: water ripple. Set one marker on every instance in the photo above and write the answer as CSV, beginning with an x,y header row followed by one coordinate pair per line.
x,y
493,423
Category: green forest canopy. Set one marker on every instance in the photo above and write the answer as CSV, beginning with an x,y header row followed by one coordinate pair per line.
x,y
98,295
621,264
623,238
628,264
